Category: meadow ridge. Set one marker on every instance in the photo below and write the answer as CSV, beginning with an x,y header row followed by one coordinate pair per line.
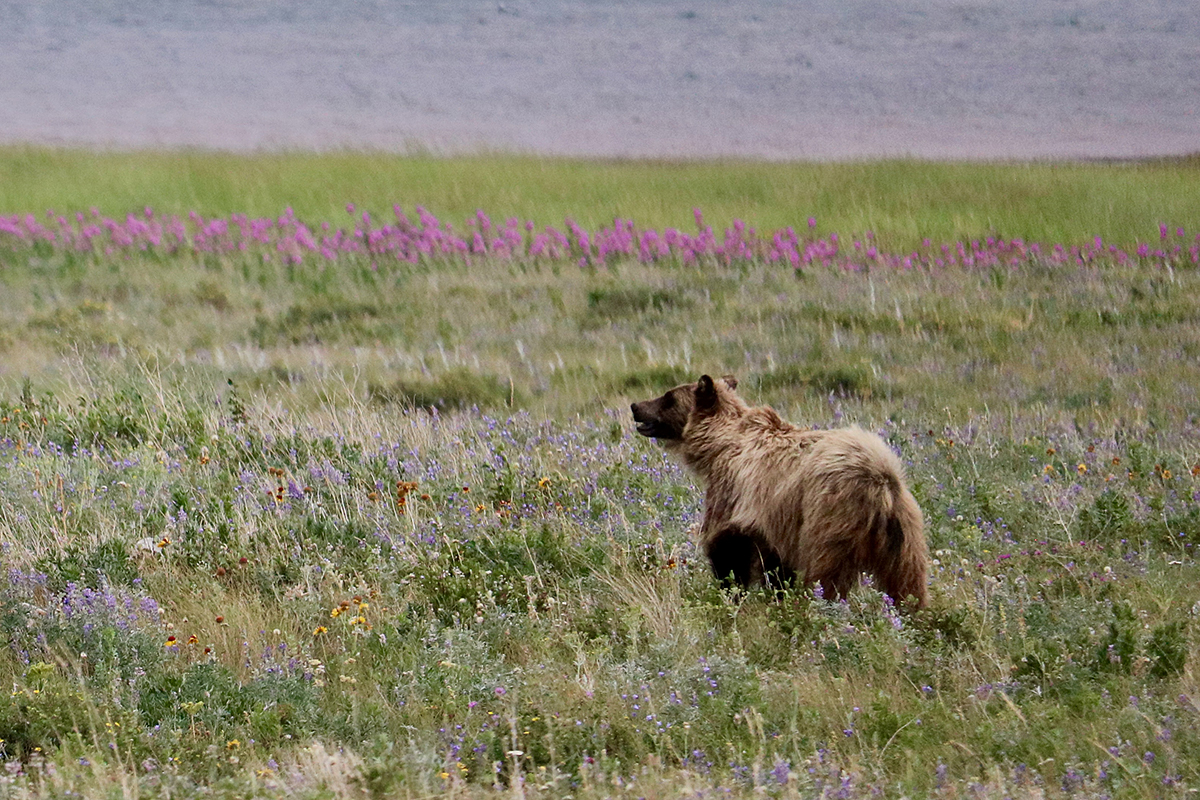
x,y
299,504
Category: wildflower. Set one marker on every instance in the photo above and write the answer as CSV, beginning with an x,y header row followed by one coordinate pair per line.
x,y
319,630
543,483
163,542
336,612
233,744
171,642
1081,468
220,620
193,640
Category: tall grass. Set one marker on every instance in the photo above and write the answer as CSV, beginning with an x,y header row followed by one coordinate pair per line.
x,y
362,527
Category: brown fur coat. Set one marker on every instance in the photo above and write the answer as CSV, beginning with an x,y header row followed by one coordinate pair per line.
x,y
823,504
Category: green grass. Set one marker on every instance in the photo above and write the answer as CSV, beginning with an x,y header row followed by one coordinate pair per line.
x,y
403,513
560,340
901,201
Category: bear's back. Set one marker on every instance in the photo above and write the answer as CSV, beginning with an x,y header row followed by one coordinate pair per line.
x,y
851,455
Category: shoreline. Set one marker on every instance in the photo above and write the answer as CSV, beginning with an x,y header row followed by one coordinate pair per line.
x,y
413,150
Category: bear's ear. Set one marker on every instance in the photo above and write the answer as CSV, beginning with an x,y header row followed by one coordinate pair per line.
x,y
706,392
730,381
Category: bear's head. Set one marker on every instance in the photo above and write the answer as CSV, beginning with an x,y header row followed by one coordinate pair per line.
x,y
665,417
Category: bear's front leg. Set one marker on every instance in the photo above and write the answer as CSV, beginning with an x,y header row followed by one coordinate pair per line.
x,y
741,557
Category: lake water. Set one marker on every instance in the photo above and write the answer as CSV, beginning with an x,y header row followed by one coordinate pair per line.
x,y
763,78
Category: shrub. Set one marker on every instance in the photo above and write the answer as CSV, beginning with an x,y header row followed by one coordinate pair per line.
x,y
453,390
844,380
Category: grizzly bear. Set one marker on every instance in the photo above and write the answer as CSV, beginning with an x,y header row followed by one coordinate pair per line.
x,y
780,500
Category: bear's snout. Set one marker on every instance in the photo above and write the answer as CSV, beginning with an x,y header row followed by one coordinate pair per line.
x,y
643,420
664,418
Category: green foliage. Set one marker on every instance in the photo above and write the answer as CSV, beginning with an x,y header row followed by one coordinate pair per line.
x,y
209,701
945,628
1168,649
611,304
847,380
1117,650
455,389
108,563
1108,517
651,381
47,709
121,417
322,318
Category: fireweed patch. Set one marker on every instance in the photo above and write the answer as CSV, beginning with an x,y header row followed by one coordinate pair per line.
x,y
71,239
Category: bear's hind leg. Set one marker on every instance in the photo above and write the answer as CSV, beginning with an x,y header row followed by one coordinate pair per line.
x,y
836,580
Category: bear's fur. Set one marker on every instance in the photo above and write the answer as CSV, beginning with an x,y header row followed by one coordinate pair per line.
x,y
823,504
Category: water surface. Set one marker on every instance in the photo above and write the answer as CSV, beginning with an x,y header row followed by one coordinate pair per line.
x,y
761,78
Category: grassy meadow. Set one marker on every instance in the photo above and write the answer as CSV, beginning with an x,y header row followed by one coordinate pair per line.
x,y
316,505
